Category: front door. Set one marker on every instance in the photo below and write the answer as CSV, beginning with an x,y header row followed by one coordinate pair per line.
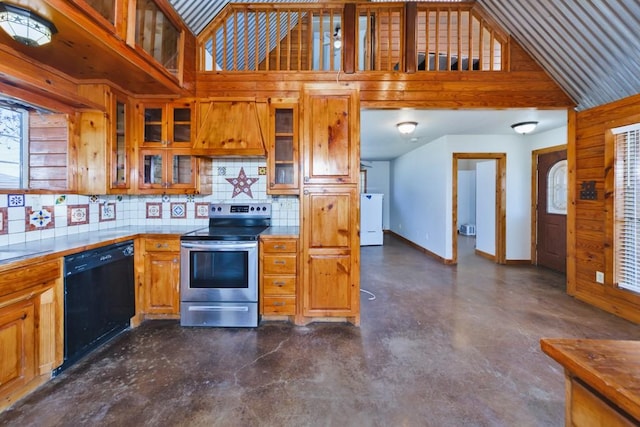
x,y
551,213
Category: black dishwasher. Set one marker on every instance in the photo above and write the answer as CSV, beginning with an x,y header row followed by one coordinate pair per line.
x,y
99,298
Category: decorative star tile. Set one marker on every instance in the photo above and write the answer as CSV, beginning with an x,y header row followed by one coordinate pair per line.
x,y
242,184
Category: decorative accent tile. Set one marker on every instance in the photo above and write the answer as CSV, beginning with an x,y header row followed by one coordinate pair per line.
x,y
202,210
15,200
262,170
39,219
119,197
107,212
191,198
61,199
178,210
242,184
77,214
94,198
4,221
154,210
165,198
222,170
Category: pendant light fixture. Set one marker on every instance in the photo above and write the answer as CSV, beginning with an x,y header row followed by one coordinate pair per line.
x,y
25,26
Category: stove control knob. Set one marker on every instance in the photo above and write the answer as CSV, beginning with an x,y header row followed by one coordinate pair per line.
x,y
219,209
252,208
264,208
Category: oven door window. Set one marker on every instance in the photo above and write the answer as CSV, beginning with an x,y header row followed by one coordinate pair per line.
x,y
219,270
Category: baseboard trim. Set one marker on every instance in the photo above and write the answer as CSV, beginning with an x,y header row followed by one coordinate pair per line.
x,y
485,255
420,248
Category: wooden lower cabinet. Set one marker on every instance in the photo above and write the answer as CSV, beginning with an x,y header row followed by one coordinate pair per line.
x,y
31,341
331,252
161,293
278,276
586,408
18,343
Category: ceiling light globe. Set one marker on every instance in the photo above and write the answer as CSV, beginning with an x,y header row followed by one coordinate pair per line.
x,y
524,127
406,128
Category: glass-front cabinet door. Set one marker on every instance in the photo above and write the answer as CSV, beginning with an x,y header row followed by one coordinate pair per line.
x,y
183,170
167,125
283,149
119,149
168,170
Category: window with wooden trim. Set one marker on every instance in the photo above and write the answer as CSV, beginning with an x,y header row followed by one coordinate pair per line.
x,y
627,207
13,145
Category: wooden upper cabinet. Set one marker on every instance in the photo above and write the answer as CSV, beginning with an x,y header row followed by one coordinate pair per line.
x,y
331,134
167,125
283,155
231,128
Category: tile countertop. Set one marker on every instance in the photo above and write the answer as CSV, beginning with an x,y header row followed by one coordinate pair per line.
x,y
73,243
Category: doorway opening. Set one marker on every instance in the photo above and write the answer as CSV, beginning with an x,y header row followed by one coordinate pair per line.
x,y
499,204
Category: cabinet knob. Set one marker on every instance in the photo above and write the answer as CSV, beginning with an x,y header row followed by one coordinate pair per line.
x,y
162,245
271,184
306,179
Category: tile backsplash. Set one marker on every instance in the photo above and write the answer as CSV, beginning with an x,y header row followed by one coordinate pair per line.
x,y
40,216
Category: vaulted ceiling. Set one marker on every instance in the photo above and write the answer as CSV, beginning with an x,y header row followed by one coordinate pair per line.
x,y
590,48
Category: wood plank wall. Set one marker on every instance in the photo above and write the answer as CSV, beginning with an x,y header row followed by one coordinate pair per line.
x,y
591,224
48,151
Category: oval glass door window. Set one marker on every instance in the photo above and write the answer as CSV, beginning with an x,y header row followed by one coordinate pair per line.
x,y
557,188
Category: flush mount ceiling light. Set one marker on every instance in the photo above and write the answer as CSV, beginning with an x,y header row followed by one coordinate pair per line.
x,y
25,26
406,128
524,127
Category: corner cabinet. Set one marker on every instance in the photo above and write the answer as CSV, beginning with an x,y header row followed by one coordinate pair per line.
x,y
283,156
105,150
330,202
161,293
166,164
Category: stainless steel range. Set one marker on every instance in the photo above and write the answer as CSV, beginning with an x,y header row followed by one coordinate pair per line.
x,y
219,267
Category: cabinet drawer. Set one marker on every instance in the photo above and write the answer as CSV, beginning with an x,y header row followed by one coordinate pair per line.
x,y
161,245
279,285
279,264
280,305
279,245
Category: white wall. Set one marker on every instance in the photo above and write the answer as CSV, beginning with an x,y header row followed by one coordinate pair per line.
x,y
466,197
378,182
486,206
421,189
420,196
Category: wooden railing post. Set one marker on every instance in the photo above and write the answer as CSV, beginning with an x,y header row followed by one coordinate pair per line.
x,y
349,38
410,17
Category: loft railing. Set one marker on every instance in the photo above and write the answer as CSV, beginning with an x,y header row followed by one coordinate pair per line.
x,y
411,37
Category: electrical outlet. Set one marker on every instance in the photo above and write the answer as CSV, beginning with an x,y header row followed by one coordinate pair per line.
x,y
426,236
600,277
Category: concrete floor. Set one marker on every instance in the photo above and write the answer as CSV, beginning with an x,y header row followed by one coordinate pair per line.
x,y
439,346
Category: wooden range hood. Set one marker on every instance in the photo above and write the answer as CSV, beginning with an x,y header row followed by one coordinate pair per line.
x,y
231,128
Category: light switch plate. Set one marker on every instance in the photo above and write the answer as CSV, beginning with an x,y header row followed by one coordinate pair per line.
x,y
600,277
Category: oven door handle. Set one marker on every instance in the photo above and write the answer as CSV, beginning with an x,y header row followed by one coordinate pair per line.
x,y
220,245
218,308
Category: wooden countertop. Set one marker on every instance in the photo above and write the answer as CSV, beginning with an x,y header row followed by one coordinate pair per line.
x,y
611,367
